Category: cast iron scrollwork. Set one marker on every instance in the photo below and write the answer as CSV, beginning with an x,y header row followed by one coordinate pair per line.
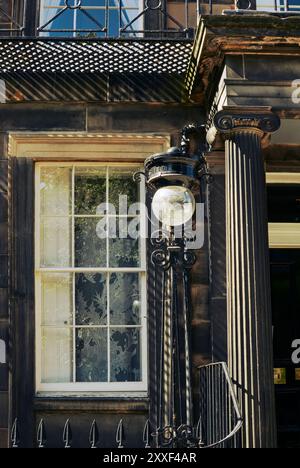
x,y
184,436
172,252
161,258
189,259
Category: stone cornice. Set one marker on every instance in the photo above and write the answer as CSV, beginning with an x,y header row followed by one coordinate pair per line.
x,y
253,25
218,35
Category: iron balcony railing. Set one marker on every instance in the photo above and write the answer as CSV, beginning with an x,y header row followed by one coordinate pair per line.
x,y
105,19
219,423
171,19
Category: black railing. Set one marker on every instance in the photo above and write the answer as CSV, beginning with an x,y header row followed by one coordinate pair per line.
x,y
121,18
108,19
220,416
218,426
12,17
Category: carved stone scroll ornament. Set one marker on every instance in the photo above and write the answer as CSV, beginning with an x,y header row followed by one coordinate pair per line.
x,y
233,120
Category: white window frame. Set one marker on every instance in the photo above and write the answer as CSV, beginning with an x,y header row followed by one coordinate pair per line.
x,y
101,387
283,235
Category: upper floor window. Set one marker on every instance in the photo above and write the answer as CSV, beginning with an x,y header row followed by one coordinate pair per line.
x,y
90,280
278,5
90,18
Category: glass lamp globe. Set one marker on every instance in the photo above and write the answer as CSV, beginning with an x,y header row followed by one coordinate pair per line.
x,y
173,205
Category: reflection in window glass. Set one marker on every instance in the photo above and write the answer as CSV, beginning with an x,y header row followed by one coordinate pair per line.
x,y
90,246
91,19
91,355
121,182
125,306
124,250
278,5
125,355
90,190
91,299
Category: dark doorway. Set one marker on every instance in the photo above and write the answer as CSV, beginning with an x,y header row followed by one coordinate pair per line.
x,y
285,282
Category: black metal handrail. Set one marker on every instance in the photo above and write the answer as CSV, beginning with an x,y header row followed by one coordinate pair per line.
x,y
220,416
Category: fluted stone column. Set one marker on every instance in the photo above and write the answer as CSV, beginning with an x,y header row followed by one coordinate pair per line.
x,y
250,348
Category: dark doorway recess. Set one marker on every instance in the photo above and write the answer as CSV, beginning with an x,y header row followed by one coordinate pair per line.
x,y
285,282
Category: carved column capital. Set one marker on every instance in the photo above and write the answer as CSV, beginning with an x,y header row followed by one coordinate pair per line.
x,y
259,120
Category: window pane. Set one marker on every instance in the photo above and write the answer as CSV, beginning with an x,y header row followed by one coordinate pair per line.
x,y
91,355
282,5
123,249
55,242
95,21
125,299
121,183
114,25
94,3
125,355
76,19
125,3
55,199
55,191
129,14
65,21
57,307
91,299
90,190
57,361
294,5
90,247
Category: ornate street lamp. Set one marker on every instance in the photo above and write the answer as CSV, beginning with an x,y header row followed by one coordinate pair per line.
x,y
173,181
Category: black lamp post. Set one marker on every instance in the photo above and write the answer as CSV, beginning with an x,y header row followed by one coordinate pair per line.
x,y
173,181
